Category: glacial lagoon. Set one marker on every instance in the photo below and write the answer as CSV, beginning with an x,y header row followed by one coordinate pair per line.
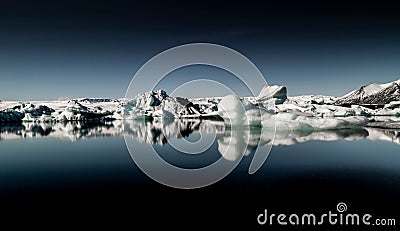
x,y
74,145
75,158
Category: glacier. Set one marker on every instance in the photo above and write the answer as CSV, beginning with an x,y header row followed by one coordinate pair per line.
x,y
370,106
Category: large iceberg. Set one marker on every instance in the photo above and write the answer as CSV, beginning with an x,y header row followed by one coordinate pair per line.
x,y
75,111
159,104
241,112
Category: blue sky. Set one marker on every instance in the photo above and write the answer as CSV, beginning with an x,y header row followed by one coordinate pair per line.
x,y
52,50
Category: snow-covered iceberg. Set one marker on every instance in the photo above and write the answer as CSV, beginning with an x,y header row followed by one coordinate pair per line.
x,y
159,104
75,111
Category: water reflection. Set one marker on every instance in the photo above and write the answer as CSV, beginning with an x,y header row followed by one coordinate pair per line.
x,y
299,136
159,132
243,141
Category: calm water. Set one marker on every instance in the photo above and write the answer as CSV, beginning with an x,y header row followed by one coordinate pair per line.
x,y
87,167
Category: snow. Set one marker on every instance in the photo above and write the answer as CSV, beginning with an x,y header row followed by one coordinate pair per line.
x,y
388,112
372,88
392,105
372,94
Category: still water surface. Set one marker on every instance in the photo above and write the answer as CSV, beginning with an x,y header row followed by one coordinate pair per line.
x,y
312,169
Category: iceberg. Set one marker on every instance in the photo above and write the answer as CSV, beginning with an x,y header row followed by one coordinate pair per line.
x,y
159,104
272,94
75,111
241,112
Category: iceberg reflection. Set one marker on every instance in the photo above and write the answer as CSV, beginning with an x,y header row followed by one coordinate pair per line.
x,y
244,140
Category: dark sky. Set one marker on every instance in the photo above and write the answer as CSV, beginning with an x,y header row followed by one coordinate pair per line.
x,y
52,49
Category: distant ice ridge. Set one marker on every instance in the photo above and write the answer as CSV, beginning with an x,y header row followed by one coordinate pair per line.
x,y
370,105
56,111
379,94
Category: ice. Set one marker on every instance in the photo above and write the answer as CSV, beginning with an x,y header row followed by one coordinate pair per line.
x,y
278,95
97,100
325,110
376,134
75,111
311,99
385,122
290,137
309,112
241,112
237,142
300,121
293,107
231,142
388,112
159,104
231,109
